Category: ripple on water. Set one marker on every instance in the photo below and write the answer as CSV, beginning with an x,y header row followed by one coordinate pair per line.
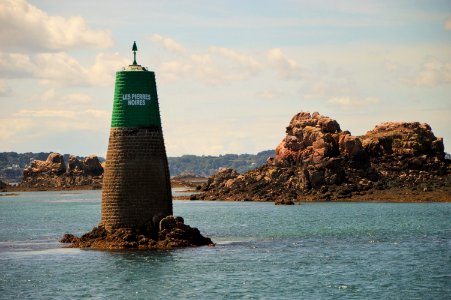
x,y
311,251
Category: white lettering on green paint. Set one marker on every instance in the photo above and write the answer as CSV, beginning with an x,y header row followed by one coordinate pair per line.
x,y
136,102
136,99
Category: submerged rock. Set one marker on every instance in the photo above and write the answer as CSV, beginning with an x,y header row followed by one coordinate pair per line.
x,y
284,202
2,186
172,233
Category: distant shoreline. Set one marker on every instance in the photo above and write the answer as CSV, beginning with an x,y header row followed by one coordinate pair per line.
x,y
382,196
395,195
15,189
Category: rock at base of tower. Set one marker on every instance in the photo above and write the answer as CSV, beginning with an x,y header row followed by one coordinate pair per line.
x,y
172,233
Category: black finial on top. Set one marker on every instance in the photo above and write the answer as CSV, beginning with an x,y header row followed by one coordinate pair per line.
x,y
134,49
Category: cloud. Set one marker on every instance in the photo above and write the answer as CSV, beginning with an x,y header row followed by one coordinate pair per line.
x,y
10,128
16,65
103,72
78,98
214,65
433,73
327,85
62,69
59,67
347,101
33,126
45,113
246,61
317,90
220,65
5,89
172,70
26,26
270,94
73,99
168,43
60,120
447,24
285,66
390,66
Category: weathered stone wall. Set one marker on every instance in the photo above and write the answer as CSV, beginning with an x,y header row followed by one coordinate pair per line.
x,y
136,185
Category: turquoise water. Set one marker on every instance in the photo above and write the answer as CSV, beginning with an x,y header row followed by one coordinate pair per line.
x,y
263,251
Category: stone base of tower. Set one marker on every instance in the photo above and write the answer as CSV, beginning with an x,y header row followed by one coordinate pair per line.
x,y
172,233
136,185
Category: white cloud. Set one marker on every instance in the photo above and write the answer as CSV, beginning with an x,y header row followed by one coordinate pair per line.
x,y
287,67
220,65
447,24
49,128
347,101
270,94
59,67
57,120
103,72
78,98
327,85
168,43
390,66
62,69
65,100
214,65
172,70
244,60
433,73
15,65
12,127
26,26
5,89
44,113
48,95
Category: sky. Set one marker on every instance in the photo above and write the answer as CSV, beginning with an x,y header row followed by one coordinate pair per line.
x,y
230,74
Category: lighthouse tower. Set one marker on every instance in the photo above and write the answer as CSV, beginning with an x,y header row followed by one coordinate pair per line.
x,y
136,186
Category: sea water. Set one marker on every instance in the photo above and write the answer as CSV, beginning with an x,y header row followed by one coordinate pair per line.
x,y
263,251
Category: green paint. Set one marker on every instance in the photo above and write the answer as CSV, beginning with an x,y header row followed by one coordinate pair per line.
x,y
135,100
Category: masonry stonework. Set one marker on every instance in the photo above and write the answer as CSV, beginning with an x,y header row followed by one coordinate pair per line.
x,y
136,185
136,193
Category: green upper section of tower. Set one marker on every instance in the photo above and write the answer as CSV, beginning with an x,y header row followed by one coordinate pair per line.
x,y
135,98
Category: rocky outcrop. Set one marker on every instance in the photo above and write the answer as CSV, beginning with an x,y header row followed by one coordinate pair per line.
x,y
89,166
53,173
411,139
54,165
224,178
309,138
317,161
172,233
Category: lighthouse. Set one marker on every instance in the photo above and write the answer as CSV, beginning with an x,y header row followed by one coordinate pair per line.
x,y
136,189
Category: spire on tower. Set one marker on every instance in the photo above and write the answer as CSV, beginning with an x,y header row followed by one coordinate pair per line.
x,y
134,49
